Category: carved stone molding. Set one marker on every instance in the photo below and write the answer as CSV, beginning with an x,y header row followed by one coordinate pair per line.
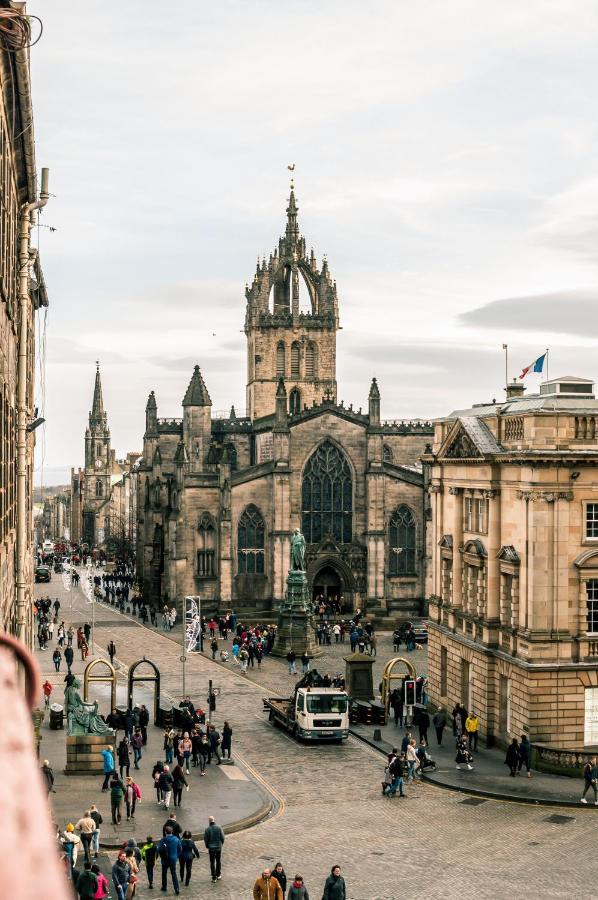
x,y
491,494
546,496
434,489
455,491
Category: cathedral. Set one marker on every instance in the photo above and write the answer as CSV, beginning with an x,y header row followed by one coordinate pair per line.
x,y
219,497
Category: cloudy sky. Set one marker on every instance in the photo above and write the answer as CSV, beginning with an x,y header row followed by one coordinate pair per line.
x,y
447,164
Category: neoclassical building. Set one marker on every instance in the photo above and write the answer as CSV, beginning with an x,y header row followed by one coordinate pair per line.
x,y
513,628
220,497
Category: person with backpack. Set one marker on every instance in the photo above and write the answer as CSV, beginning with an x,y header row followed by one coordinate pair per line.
x,y
525,755
149,853
512,757
396,772
87,883
590,778
189,852
170,849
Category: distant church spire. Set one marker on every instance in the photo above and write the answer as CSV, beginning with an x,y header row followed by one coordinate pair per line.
x,y
98,415
292,231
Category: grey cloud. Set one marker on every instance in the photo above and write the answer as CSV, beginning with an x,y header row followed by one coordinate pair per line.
x,y
64,351
572,312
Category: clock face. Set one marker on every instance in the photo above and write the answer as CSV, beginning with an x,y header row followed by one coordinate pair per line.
x,y
99,463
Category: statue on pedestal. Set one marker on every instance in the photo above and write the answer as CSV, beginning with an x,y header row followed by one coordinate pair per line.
x,y
297,552
82,718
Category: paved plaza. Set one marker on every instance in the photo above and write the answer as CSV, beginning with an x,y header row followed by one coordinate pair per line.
x,y
326,800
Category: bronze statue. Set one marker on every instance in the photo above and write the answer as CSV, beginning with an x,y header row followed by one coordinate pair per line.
x,y
82,718
297,552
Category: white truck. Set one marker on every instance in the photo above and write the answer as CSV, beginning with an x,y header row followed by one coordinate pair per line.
x,y
312,713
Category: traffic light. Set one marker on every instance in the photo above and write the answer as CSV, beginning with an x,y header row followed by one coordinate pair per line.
x,y
409,692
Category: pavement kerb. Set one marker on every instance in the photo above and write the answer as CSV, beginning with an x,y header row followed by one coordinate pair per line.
x,y
478,792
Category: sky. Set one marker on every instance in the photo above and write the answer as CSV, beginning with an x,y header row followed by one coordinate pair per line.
x,y
446,163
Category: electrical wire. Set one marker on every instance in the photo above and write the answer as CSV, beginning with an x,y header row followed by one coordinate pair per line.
x,y
15,30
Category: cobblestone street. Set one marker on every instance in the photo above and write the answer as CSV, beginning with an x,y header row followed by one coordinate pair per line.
x,y
328,807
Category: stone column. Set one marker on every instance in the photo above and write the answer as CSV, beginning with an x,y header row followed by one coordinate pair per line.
x,y
492,611
457,542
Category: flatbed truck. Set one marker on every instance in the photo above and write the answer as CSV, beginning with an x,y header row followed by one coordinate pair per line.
x,y
312,713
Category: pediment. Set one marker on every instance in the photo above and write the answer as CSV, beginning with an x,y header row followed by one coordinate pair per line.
x,y
446,542
459,445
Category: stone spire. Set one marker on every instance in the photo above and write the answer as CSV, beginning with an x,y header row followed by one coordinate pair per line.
x,y
97,415
374,403
151,416
292,232
197,392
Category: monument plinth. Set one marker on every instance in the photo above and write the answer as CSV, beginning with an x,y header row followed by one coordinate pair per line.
x,y
295,620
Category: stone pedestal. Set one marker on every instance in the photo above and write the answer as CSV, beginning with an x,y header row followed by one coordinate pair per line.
x,y
295,620
84,753
359,677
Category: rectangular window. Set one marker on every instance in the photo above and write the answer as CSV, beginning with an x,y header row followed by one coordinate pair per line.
x,y
443,671
466,683
592,520
468,514
590,733
481,509
592,605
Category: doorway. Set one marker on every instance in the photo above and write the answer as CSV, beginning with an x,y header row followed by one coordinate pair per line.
x,y
327,584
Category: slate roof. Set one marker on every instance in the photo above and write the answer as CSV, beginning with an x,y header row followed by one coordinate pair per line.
x,y
480,434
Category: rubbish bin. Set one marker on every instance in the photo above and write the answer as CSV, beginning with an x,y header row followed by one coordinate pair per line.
x,y
56,716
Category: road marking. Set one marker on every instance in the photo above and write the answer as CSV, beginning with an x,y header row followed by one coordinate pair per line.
x,y
233,773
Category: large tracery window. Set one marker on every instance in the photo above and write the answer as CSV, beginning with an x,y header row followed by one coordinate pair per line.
x,y
295,360
327,496
402,543
250,542
206,553
280,359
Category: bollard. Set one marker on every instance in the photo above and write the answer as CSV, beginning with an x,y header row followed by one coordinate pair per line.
x,y
377,735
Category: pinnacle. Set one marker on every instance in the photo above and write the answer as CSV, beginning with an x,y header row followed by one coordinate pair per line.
x,y
197,392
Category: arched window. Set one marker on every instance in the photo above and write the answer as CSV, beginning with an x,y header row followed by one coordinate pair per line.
x,y
280,359
310,360
99,450
401,550
295,402
386,453
295,357
230,452
206,552
250,542
327,496
99,488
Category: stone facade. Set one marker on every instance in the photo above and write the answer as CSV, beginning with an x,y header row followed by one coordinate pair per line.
x,y
219,497
103,493
514,604
18,187
56,517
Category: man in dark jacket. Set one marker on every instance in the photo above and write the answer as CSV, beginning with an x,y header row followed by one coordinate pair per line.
x,y
423,723
213,838
68,658
144,722
170,849
334,887
87,883
174,826
117,792
440,719
166,784
121,873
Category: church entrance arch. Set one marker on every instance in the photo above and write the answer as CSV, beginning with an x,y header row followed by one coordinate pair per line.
x,y
332,580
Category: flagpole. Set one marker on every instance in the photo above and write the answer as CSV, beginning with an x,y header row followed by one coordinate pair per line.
x,y
506,349
547,364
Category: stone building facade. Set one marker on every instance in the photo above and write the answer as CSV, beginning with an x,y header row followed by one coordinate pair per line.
x,y
103,493
514,605
18,188
56,517
219,497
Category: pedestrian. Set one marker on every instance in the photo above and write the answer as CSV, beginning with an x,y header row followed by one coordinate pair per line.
x,y
472,724
87,882
57,659
512,757
121,874
71,843
169,745
172,823
227,737
334,886
189,852
86,827
297,890
305,662
213,838
463,757
266,887
396,773
132,797
97,818
590,777
291,662
149,852
48,775
47,689
109,768
281,877
439,720
170,849
87,631
68,657
103,886
204,751
412,760
84,649
423,723
129,723
143,722
124,756
459,718
137,745
111,652
178,783
214,743
214,647
117,792
166,785
69,636
186,748
525,755
61,635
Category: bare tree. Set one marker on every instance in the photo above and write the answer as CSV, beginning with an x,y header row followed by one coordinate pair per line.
x,y
119,542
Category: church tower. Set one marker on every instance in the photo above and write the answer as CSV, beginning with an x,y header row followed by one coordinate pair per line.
x,y
283,341
98,465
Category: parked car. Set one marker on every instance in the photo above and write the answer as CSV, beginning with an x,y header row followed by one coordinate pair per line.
x,y
43,573
58,568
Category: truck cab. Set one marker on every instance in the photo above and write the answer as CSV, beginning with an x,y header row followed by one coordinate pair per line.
x,y
321,713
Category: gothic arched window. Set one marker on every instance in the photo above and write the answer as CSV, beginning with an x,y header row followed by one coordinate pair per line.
x,y
280,359
387,453
327,496
294,402
250,542
99,488
295,357
310,360
402,543
206,552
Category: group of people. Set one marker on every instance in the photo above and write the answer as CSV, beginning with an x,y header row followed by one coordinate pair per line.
x,y
404,764
274,884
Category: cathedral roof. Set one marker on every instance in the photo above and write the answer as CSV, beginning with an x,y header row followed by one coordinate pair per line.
x,y
197,392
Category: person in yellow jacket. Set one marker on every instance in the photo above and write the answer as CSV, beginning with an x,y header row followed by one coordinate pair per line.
x,y
472,724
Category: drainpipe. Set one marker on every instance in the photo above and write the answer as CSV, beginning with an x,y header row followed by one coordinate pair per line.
x,y
26,255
